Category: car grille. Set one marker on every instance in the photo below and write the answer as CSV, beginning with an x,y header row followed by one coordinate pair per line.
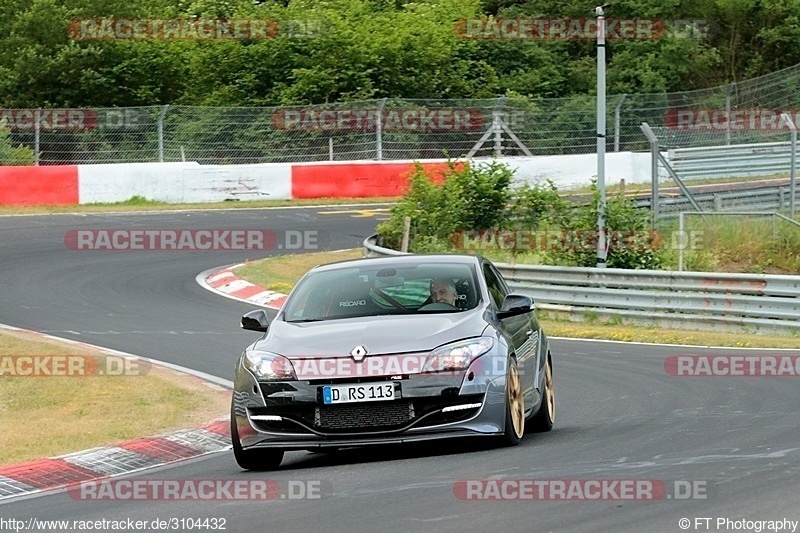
x,y
380,415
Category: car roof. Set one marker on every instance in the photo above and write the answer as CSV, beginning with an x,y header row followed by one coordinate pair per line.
x,y
405,259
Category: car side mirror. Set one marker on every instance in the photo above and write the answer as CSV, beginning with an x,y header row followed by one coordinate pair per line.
x,y
256,320
515,304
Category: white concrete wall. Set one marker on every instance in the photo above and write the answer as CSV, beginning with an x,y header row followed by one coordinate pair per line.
x,y
183,182
191,182
572,171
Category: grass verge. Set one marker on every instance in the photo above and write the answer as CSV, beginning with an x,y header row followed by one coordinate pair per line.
x,y
281,273
46,416
142,204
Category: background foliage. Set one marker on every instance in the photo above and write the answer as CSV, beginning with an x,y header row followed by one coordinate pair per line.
x,y
363,49
481,196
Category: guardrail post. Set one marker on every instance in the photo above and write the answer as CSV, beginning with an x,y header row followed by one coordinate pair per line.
x,y
793,163
681,236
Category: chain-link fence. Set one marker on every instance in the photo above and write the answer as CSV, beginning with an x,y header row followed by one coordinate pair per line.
x,y
393,129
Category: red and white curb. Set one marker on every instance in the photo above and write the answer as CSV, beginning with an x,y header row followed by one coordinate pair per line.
x,y
124,458
224,282
110,461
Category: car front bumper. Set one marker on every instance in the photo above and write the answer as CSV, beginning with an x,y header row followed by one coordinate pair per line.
x,y
291,415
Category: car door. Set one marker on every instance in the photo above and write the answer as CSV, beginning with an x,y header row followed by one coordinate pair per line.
x,y
521,331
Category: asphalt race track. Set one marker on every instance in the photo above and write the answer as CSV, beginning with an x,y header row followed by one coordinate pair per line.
x,y
620,416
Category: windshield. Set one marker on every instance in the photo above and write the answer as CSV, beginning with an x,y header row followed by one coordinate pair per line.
x,y
381,290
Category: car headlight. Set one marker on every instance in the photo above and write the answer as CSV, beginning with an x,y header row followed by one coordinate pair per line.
x,y
458,355
268,366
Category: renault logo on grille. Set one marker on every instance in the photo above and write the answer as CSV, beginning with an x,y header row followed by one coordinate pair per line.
x,y
358,353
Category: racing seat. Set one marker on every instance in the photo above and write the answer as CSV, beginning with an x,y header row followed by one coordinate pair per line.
x,y
351,298
467,296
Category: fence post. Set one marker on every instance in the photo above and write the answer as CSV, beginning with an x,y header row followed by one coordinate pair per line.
x,y
36,134
616,122
379,130
161,133
654,152
793,172
792,163
497,126
728,113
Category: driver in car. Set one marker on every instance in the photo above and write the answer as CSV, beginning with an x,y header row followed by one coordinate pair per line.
x,y
443,291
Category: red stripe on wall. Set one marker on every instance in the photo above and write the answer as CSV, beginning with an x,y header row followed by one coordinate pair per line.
x,y
47,185
357,180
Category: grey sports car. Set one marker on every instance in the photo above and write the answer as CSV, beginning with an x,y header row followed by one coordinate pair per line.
x,y
391,350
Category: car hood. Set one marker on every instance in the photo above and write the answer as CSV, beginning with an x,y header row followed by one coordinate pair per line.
x,y
378,334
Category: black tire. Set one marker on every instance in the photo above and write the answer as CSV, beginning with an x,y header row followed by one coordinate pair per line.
x,y
515,407
263,459
545,417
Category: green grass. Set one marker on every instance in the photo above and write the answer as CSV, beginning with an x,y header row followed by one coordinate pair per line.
x,y
45,416
646,188
734,243
282,272
138,203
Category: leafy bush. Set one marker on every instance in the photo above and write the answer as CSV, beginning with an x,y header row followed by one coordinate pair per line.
x,y
538,206
472,196
630,243
478,197
13,155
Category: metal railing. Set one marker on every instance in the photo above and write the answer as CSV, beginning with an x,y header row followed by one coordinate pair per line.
x,y
742,160
762,302
771,195
760,159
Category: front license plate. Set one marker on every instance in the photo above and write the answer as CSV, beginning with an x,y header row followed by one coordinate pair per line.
x,y
368,392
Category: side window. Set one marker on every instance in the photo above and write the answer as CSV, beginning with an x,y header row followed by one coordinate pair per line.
x,y
497,289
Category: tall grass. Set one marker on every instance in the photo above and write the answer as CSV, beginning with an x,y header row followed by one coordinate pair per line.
x,y
734,243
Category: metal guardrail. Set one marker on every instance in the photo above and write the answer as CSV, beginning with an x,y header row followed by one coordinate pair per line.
x,y
767,196
761,159
760,302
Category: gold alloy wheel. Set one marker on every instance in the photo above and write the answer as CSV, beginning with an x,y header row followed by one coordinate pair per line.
x,y
515,403
550,391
